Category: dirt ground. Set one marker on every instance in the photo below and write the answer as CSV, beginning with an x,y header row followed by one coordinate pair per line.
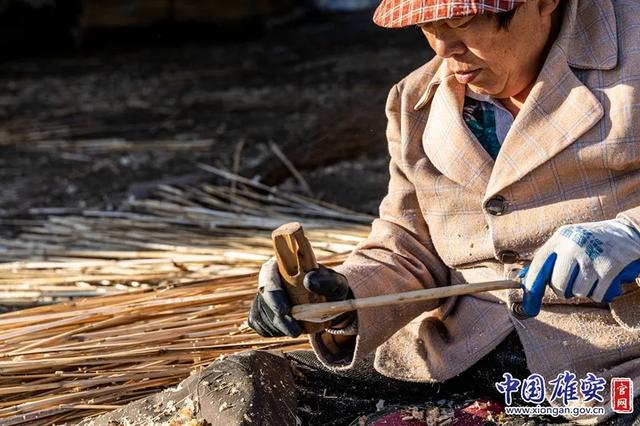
x,y
80,130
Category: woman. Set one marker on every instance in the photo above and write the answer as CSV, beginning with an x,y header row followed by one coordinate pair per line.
x,y
516,146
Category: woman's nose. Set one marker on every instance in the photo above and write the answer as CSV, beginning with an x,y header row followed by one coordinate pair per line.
x,y
443,40
447,47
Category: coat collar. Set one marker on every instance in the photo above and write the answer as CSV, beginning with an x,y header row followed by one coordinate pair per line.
x,y
557,112
588,35
450,145
441,74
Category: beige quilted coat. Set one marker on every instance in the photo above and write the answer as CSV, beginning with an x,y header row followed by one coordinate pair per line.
x,y
453,215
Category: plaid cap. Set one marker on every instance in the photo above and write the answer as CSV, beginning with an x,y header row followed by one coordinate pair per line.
x,y
402,13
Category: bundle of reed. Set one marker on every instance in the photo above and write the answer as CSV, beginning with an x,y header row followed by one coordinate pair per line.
x,y
64,362
185,233
67,361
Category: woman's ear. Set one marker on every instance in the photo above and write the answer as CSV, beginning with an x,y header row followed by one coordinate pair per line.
x,y
547,7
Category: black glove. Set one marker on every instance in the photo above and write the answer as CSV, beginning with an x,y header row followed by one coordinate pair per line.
x,y
270,311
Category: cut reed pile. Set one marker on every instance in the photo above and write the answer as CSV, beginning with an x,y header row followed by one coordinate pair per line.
x,y
185,233
71,360
180,263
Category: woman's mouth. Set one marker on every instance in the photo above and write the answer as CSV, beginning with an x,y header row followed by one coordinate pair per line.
x,y
466,77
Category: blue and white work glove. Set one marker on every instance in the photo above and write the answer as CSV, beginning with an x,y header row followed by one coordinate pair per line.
x,y
590,260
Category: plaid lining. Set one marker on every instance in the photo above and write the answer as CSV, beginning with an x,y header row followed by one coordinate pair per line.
x,y
403,13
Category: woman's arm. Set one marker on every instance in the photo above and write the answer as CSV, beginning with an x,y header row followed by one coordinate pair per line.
x,y
397,256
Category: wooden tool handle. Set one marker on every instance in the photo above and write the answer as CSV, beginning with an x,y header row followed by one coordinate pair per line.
x,y
325,311
295,258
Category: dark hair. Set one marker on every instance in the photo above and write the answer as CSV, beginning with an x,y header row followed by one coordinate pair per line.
x,y
503,19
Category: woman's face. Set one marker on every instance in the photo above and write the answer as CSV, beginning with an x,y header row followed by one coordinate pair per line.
x,y
494,61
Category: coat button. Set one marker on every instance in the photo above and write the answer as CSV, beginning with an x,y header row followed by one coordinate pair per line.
x,y
495,206
508,256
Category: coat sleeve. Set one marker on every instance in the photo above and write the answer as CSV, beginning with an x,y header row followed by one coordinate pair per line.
x,y
632,215
625,308
397,256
